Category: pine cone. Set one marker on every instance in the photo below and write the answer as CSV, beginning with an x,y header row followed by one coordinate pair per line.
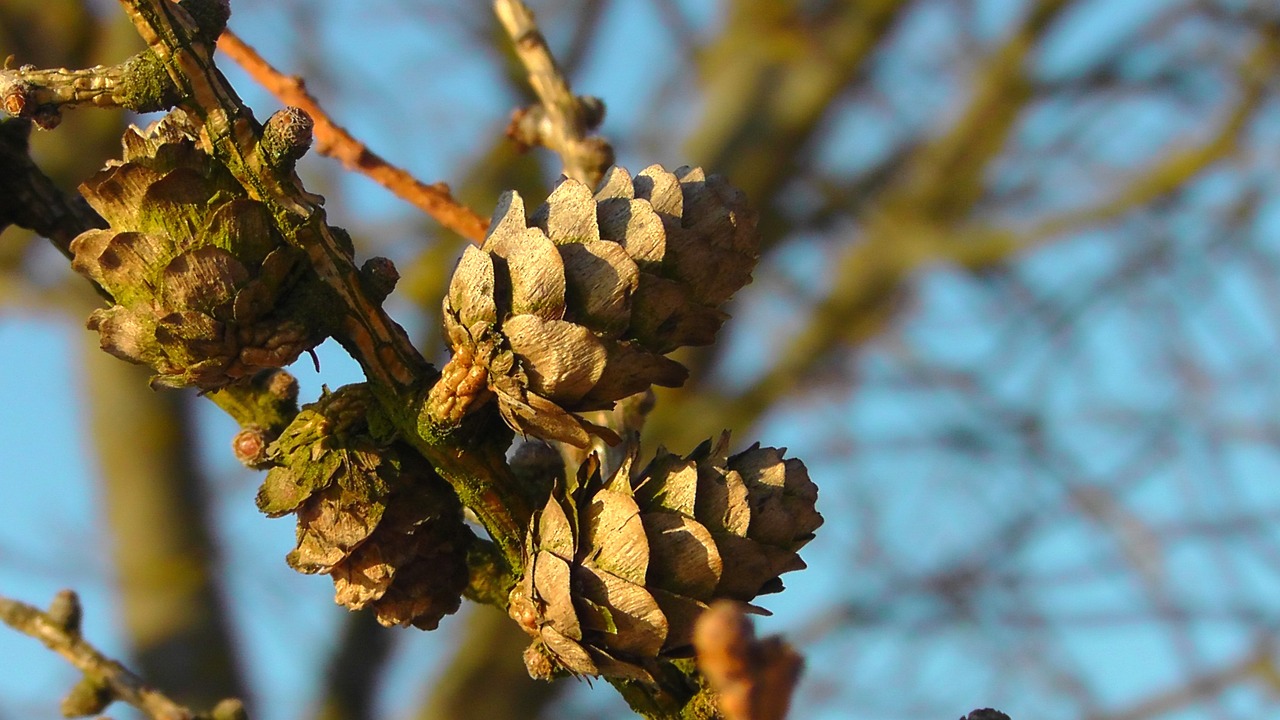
x,y
371,514
575,307
617,571
201,280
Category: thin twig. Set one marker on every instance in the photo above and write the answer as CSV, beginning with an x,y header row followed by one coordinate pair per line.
x,y
562,120
40,94
334,140
1256,665
59,630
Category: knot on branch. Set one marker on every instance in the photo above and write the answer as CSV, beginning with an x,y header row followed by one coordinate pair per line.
x,y
617,570
379,277
66,612
372,514
574,307
210,16
206,291
89,696
249,445
287,137
25,100
533,126
17,97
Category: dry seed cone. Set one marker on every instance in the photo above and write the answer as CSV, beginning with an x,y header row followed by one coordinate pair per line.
x,y
202,282
617,570
371,514
575,307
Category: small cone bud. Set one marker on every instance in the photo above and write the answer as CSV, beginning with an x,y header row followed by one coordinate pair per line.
x,y
379,276
66,611
229,709
250,447
287,136
371,514
89,696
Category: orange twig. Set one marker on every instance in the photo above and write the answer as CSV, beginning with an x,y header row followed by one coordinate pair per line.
x,y
333,140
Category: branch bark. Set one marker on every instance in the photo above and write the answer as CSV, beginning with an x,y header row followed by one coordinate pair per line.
x,y
561,121
477,470
29,199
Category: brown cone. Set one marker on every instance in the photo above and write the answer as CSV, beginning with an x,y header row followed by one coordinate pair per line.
x,y
617,571
206,292
372,514
574,307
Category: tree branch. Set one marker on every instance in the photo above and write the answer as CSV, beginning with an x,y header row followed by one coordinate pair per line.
x,y
333,140
59,630
561,121
40,95
30,199
351,674
155,497
181,38
1258,664
911,226
477,470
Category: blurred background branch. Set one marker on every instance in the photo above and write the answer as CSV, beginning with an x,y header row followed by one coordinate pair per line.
x,y
105,680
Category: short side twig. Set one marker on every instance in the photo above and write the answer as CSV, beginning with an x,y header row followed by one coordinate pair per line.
x,y
753,677
334,140
59,630
39,95
562,120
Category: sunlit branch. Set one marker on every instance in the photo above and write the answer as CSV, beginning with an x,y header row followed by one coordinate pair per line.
x,y
562,120
754,677
333,140
106,680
